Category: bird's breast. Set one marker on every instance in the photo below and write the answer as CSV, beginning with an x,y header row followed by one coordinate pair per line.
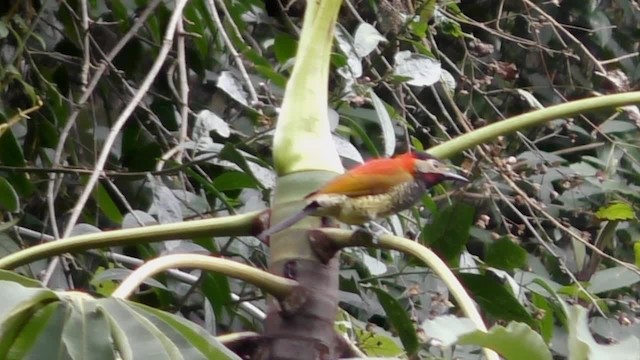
x,y
361,209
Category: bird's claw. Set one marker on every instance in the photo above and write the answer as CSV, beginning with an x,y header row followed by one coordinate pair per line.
x,y
366,232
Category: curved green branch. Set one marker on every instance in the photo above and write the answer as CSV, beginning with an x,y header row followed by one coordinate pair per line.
x,y
236,225
538,117
275,285
344,238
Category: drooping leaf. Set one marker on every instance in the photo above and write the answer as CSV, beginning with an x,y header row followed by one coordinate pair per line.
x,y
388,132
545,316
346,45
9,200
400,320
106,204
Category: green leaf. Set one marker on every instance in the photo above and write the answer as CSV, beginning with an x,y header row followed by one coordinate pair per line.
x,y
192,340
374,344
447,235
545,319
134,336
504,254
398,317
582,345
284,47
515,342
215,288
616,211
8,197
106,204
40,336
495,299
235,180
16,308
636,253
11,155
86,329
11,276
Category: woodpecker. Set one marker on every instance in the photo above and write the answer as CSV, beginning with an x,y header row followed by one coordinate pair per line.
x,y
375,189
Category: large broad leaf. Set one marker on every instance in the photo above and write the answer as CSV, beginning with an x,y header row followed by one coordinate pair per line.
x,y
515,342
582,345
38,323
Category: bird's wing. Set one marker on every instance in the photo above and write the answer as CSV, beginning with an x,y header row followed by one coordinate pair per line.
x,y
374,177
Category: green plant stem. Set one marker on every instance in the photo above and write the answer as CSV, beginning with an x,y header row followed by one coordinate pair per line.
x,y
236,225
491,132
344,238
303,140
277,286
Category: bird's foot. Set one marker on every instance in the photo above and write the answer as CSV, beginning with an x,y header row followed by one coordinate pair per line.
x,y
367,232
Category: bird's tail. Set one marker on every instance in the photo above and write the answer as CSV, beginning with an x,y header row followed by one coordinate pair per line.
x,y
290,221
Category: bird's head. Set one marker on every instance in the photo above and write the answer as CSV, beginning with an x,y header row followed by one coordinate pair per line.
x,y
431,170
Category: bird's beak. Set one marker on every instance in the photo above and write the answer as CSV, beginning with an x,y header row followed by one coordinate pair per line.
x,y
454,177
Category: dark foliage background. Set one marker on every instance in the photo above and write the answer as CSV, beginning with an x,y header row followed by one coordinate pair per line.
x,y
195,143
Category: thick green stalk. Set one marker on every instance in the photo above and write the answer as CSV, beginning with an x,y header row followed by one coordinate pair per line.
x,y
302,140
226,226
491,132
274,285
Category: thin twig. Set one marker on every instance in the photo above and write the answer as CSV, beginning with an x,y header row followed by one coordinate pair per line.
x,y
543,243
234,53
86,60
51,186
119,123
550,19
184,86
